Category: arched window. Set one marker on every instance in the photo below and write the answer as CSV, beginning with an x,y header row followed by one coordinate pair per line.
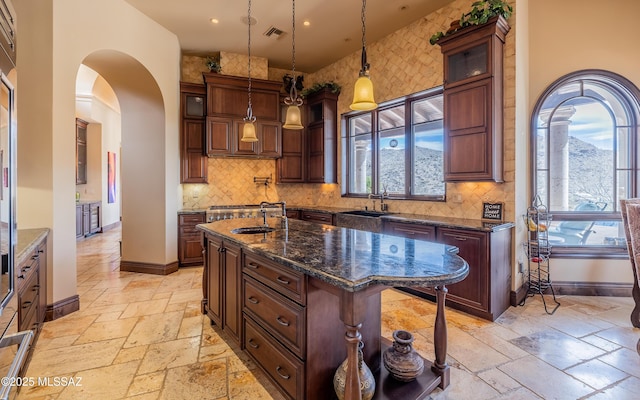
x,y
584,136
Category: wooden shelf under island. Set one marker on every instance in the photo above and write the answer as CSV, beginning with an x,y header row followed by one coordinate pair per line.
x,y
300,298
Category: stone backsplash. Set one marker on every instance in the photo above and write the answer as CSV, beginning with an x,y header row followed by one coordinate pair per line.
x,y
401,63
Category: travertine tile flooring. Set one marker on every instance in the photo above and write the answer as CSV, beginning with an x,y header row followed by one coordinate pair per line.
x,y
141,336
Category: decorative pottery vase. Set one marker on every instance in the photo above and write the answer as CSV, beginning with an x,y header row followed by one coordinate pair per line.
x,y
402,362
367,382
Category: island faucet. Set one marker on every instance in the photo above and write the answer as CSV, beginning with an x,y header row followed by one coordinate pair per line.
x,y
263,210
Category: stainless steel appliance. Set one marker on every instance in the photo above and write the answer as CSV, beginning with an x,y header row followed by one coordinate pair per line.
x,y
14,345
216,213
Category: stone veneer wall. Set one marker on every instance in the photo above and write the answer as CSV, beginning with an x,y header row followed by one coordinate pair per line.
x,y
401,63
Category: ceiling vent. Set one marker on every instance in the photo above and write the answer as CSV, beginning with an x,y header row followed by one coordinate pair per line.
x,y
274,32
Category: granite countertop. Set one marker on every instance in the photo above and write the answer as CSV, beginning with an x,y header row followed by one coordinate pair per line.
x,y
28,240
192,211
451,222
348,258
84,201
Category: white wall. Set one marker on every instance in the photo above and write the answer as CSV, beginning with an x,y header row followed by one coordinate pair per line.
x,y
84,31
571,35
96,102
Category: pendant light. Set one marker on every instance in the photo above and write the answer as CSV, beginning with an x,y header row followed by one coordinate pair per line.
x,y
249,128
293,119
363,90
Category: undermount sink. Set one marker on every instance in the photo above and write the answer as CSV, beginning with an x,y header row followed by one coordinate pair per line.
x,y
366,213
253,229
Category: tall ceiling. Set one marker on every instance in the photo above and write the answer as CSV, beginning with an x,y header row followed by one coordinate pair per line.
x,y
334,30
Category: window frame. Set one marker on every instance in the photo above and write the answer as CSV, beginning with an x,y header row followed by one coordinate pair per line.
x,y
629,96
408,102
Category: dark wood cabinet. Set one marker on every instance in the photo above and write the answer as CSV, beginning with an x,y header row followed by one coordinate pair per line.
x,y
322,131
81,151
31,287
473,102
227,101
485,292
310,155
318,216
223,286
88,218
193,159
190,239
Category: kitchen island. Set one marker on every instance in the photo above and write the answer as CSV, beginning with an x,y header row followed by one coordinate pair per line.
x,y
301,298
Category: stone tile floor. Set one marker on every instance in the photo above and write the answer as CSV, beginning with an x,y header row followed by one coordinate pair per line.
x,y
140,336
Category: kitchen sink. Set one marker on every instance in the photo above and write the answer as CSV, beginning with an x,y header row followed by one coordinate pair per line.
x,y
366,213
253,229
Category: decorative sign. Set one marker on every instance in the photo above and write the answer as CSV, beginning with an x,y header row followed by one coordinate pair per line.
x,y
492,211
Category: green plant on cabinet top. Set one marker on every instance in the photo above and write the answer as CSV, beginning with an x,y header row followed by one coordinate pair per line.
x,y
480,13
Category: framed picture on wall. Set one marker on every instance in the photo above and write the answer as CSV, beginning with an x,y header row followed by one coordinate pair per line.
x,y
111,177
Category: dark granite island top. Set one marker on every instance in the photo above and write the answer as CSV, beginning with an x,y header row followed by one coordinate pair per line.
x,y
349,258
344,271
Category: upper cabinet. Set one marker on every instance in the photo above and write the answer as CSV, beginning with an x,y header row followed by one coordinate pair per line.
x,y
310,155
193,159
473,102
227,102
81,151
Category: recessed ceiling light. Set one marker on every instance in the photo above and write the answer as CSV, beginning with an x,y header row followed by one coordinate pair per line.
x,y
214,20
306,23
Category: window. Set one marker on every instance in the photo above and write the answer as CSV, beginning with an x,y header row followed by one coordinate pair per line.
x,y
396,148
585,142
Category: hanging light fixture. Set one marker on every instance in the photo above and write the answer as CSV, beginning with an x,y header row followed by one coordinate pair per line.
x,y
249,128
363,90
293,119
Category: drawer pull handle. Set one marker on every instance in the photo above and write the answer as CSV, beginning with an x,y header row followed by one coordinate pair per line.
x,y
283,281
460,239
252,265
26,268
20,276
253,300
282,321
35,288
35,256
26,304
253,344
283,376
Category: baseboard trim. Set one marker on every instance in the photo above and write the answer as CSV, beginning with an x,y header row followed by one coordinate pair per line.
x,y
63,307
579,289
111,226
518,296
147,268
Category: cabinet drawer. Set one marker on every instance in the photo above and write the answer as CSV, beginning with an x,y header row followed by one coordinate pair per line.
x,y
28,300
288,282
27,270
280,316
281,366
190,219
320,217
413,231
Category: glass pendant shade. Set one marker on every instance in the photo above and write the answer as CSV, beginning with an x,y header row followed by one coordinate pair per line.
x,y
363,95
249,132
293,120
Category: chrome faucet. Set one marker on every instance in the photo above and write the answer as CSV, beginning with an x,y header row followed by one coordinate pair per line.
x,y
384,206
282,204
374,202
